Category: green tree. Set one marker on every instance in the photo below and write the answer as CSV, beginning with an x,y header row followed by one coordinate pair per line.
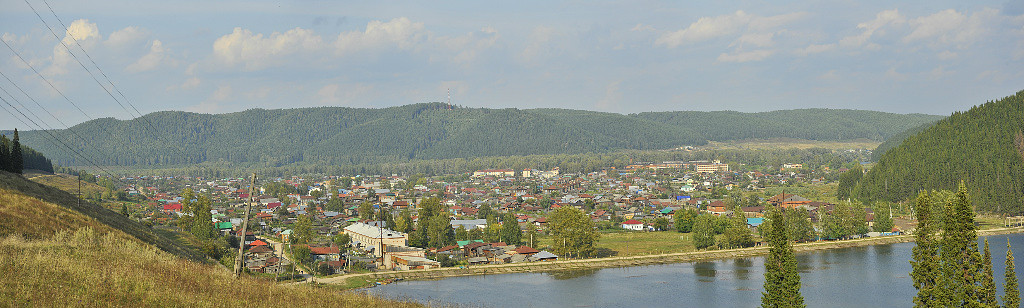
x,y
848,181
440,232
661,224
366,210
485,211
17,159
883,218
302,253
572,232
987,292
781,279
341,240
925,261
510,232
476,234
703,231
5,154
493,231
1011,295
959,254
461,234
303,230
685,219
202,224
336,204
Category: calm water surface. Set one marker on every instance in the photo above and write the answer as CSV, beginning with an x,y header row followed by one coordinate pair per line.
x,y
873,276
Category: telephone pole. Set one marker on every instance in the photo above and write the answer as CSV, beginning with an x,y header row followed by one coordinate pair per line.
x,y
245,223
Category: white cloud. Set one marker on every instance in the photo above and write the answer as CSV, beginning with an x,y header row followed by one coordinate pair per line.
x,y
829,75
754,39
466,48
81,31
190,83
400,33
256,52
869,28
222,93
815,48
151,60
946,55
746,56
125,37
707,28
950,27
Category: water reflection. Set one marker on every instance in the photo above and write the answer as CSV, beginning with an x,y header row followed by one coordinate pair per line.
x,y
572,274
847,277
741,268
705,270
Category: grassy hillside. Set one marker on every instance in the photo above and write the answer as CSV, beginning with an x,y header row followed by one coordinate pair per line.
x,y
55,253
86,268
348,136
34,210
984,147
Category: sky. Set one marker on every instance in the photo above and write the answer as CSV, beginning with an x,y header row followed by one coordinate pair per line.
x,y
933,57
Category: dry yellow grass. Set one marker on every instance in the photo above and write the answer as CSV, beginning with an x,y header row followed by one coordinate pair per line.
x,y
65,182
87,269
57,253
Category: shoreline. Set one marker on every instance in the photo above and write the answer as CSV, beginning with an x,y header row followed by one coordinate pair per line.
x,y
626,261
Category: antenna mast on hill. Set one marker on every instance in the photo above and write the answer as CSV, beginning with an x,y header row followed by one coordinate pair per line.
x,y
449,98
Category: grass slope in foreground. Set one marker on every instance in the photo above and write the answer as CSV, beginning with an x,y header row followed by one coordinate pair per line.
x,y
54,255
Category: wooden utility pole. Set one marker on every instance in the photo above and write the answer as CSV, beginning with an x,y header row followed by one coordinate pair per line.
x,y
245,223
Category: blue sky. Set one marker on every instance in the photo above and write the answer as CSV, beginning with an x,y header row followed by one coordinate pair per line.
x,y
931,57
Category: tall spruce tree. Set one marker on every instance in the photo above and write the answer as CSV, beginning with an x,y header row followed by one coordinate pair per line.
x,y
925,254
987,292
781,279
5,153
17,160
1011,295
959,254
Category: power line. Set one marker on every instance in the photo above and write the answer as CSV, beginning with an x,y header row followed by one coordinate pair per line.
x,y
76,58
72,150
149,124
40,75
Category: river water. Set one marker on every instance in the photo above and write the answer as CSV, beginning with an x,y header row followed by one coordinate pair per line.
x,y
871,276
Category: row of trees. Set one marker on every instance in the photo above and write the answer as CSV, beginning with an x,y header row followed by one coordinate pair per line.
x,y
11,159
949,270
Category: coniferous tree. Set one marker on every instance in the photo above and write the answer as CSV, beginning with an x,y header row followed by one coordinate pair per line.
x,y
17,160
925,255
781,279
5,153
1011,295
959,254
987,291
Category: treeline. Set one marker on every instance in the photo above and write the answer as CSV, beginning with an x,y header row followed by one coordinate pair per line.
x,y
352,137
571,163
983,147
15,157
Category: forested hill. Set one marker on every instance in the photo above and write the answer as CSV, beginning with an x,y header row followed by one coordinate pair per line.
x,y
333,135
983,146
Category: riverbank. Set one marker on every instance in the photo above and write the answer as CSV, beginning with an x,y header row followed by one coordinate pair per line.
x,y
365,279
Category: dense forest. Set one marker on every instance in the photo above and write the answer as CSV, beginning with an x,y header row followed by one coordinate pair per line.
x,y
897,139
984,147
351,136
16,157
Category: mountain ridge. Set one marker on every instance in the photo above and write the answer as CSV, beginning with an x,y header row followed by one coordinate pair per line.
x,y
344,135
